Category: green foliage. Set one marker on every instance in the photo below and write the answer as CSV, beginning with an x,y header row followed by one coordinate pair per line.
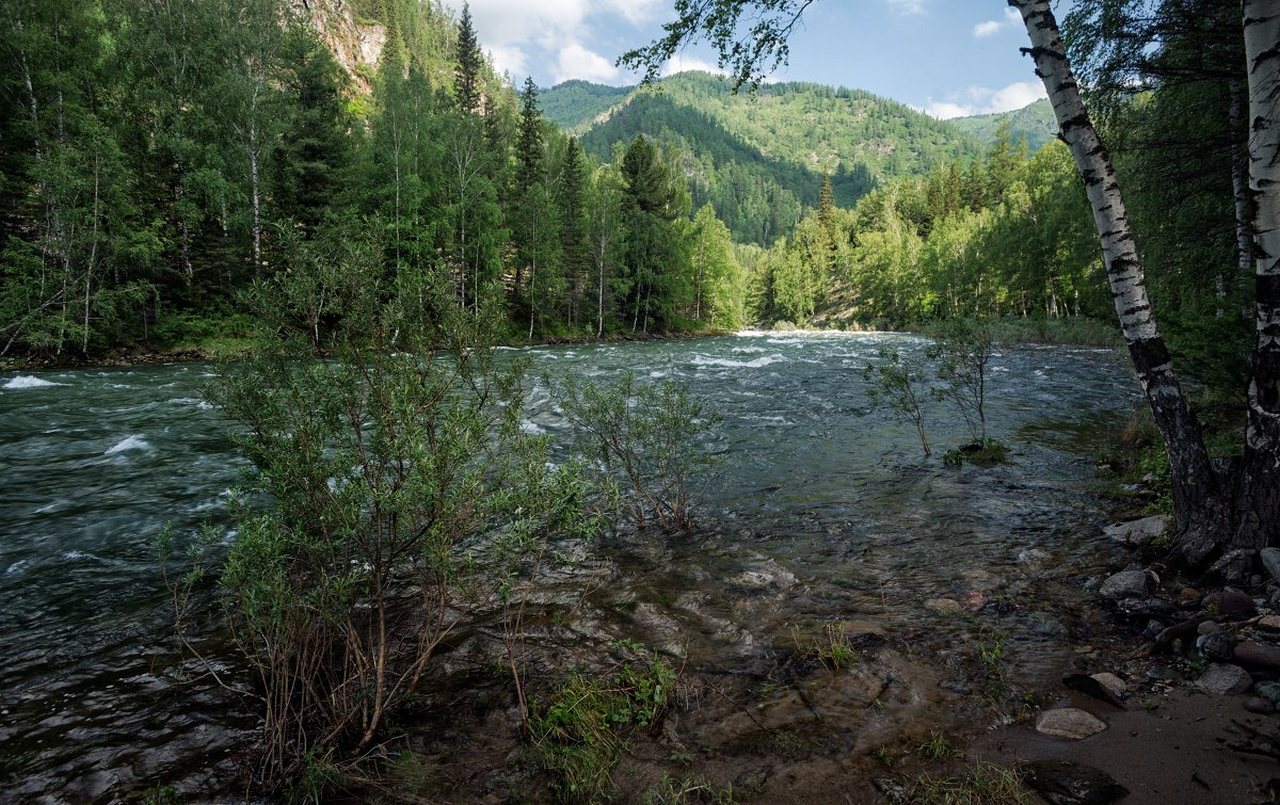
x,y
963,349
580,733
938,747
986,452
832,650
648,441
982,784
397,471
688,791
896,383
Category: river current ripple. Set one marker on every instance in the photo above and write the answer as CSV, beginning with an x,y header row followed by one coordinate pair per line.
x,y
95,703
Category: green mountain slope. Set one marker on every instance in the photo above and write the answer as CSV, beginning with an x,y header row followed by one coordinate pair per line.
x,y
1034,121
576,105
759,157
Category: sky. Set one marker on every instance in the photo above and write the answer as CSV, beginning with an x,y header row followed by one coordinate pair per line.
x,y
946,57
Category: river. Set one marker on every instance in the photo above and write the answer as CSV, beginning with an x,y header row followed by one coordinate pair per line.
x,y
815,488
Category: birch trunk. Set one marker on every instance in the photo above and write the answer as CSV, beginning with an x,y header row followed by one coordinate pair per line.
x,y
1258,508
1196,488
1240,187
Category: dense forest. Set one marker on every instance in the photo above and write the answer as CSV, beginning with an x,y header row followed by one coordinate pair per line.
x,y
159,158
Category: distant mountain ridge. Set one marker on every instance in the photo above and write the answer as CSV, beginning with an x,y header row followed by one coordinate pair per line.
x,y
759,157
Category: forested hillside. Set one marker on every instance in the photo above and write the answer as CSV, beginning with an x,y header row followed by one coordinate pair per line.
x,y
1034,121
158,158
759,157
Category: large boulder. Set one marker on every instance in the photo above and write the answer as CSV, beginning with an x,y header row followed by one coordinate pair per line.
x,y
1069,722
1125,584
1138,533
1258,655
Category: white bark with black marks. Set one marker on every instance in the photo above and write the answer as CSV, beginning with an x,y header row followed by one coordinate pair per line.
x,y
1259,503
1195,485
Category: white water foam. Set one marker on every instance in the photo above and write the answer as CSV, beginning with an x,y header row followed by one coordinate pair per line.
x,y
133,441
17,567
29,382
703,360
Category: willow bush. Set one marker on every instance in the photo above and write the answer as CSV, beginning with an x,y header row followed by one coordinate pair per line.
x,y
397,473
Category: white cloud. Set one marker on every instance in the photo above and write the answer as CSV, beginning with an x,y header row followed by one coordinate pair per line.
x,y
1016,96
1012,19
681,64
515,30
908,6
575,61
507,59
985,101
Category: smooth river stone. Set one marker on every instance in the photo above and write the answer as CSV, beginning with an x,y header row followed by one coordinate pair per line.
x,y
1225,679
1069,722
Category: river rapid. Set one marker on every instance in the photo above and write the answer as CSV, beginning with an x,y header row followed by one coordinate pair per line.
x,y
822,511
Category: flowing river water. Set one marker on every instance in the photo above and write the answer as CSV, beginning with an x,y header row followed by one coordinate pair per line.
x,y
822,511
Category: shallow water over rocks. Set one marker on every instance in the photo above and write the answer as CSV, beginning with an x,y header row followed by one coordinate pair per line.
x,y
822,513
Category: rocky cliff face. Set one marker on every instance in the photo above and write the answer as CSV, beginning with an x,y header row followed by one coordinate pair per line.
x,y
352,41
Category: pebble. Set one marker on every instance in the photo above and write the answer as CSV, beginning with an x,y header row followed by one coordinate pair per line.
x,y
1138,533
1268,690
946,606
1259,705
1224,679
1209,627
1218,646
1112,683
1125,584
1069,722
1271,623
1271,561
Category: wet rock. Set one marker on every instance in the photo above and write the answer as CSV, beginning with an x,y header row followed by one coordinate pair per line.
x,y
956,686
1138,533
1069,722
1092,687
1112,683
1034,558
1218,647
1062,782
1163,674
1259,705
1230,603
1208,627
1147,607
752,779
770,575
1125,584
945,606
1044,626
1269,691
1223,679
892,790
1270,623
1271,561
1258,655
1154,628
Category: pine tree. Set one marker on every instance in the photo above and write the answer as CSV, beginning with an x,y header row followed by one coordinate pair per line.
x,y
466,81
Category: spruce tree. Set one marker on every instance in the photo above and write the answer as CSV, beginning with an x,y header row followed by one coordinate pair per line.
x,y
529,144
466,81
